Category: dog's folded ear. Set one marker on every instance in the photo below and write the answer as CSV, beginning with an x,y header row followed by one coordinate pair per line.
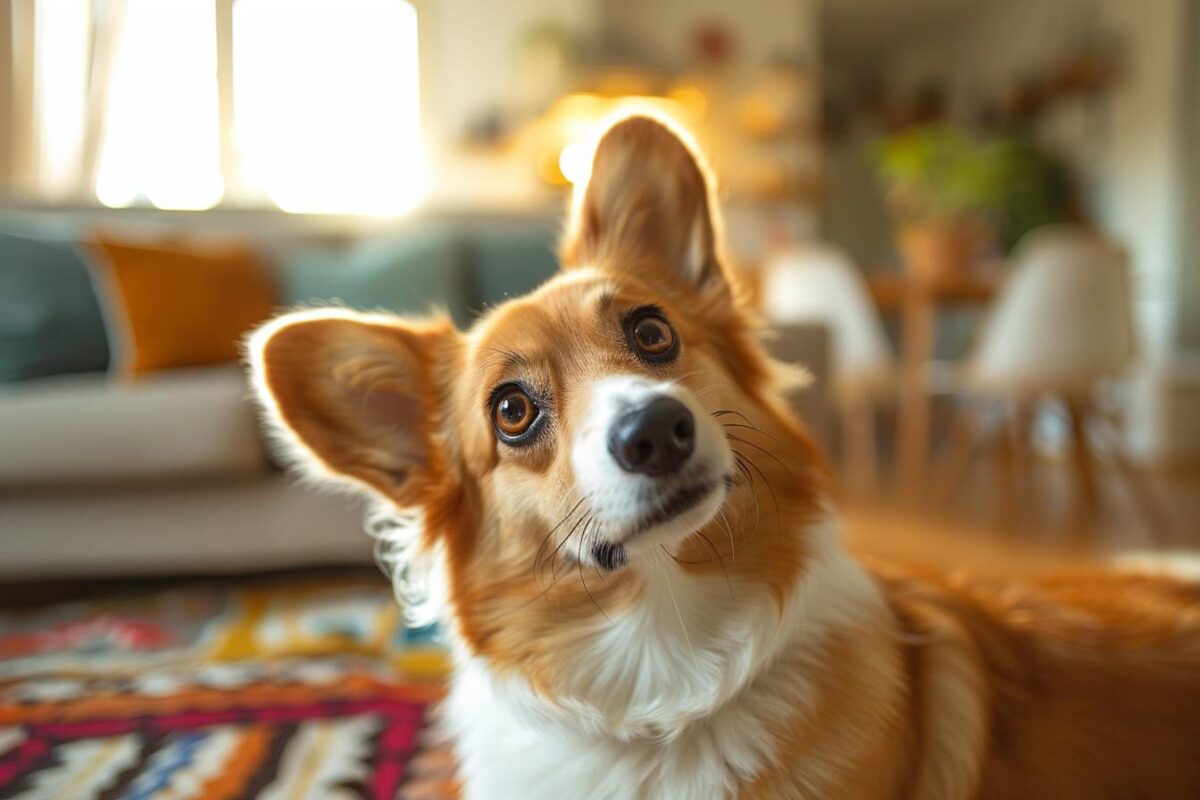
x,y
357,398
648,205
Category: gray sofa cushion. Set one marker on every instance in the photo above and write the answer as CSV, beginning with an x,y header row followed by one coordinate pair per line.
x,y
50,320
509,258
407,272
185,423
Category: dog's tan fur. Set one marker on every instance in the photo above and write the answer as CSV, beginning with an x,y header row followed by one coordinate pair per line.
x,y
1084,686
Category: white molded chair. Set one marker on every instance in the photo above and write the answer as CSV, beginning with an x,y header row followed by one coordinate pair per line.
x,y
1064,320
1062,326
818,283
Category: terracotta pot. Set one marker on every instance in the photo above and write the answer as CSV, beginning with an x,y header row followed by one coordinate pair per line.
x,y
942,251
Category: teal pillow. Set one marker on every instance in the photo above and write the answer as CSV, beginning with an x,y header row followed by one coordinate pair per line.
x,y
407,273
50,322
510,258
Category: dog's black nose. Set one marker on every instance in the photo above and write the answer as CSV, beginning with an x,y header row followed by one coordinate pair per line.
x,y
654,439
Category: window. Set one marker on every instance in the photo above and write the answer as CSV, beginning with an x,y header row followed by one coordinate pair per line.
x,y
60,100
320,103
325,95
161,140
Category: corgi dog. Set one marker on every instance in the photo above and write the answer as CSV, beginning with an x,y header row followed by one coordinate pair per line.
x,y
644,584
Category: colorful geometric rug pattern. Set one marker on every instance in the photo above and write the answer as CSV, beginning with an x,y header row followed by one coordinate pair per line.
x,y
297,690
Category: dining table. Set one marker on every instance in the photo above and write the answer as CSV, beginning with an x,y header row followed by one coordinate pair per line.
x,y
918,302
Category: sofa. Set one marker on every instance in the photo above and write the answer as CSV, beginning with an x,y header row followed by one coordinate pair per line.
x,y
169,474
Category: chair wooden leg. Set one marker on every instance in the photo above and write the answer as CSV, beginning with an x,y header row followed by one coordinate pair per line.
x,y
1155,518
1086,494
912,445
1004,496
858,436
963,441
1020,434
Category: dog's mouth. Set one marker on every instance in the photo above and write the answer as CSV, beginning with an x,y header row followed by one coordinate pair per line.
x,y
668,507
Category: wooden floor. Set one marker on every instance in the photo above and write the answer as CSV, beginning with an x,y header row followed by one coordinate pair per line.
x,y
1037,526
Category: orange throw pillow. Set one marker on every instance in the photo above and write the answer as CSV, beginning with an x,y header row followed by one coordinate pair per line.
x,y
177,306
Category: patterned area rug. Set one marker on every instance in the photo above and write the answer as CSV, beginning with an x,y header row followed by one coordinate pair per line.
x,y
302,689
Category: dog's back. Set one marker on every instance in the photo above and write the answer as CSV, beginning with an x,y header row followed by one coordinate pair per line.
x,y
1090,683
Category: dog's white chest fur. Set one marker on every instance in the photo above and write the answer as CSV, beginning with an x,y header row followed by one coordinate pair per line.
x,y
509,753
675,698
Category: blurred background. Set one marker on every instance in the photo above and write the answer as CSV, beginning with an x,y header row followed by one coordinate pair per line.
x,y
976,221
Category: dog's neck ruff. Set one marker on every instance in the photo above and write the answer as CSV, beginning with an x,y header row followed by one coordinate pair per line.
x,y
679,691
416,572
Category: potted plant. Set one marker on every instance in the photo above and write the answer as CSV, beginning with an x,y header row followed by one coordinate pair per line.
x,y
955,196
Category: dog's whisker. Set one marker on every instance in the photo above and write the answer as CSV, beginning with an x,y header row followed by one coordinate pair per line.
x,y
765,452
540,595
679,615
567,538
717,553
754,428
538,555
774,499
729,531
750,479
719,559
583,580
683,561
549,562
725,411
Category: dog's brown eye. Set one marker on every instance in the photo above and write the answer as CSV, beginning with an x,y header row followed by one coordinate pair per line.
x,y
652,337
514,412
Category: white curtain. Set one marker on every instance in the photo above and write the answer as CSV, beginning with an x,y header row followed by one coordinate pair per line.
x,y
108,19
55,66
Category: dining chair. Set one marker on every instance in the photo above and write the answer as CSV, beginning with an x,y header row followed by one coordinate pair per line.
x,y
1062,327
819,283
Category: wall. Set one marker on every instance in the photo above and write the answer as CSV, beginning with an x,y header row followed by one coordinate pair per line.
x,y
761,28
1189,317
1142,201
1139,179
472,46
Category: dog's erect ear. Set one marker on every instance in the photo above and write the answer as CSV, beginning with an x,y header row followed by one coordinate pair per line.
x,y
358,397
648,205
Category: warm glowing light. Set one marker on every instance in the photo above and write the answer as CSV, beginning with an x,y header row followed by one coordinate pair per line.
x,y
161,138
691,100
60,73
548,168
576,118
575,162
575,114
326,104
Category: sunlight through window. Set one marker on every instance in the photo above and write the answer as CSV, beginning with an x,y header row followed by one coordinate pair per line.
x,y
161,141
326,104
60,67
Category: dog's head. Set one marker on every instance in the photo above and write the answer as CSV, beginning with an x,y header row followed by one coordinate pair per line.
x,y
620,420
